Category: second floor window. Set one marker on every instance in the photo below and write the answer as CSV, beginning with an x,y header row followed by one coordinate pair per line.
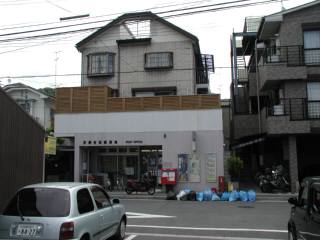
x,y
100,64
158,60
312,47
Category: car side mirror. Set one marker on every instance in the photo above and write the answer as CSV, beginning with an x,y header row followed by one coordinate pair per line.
x,y
293,201
115,201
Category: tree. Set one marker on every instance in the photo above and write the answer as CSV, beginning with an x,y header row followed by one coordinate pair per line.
x,y
235,164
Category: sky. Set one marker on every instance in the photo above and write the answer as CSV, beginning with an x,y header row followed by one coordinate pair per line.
x,y
30,61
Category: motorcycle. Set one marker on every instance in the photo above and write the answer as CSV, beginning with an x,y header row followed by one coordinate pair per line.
x,y
274,179
146,185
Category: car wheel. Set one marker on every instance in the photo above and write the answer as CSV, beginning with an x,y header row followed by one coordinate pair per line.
x,y
121,231
151,190
291,234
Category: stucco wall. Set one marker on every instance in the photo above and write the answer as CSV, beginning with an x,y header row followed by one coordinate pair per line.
x,y
132,72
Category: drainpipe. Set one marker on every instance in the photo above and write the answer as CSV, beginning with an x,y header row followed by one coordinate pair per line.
x,y
119,70
258,86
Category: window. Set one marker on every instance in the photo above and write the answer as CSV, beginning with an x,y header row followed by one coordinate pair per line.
x,y
101,64
312,47
84,201
40,202
313,90
100,197
159,60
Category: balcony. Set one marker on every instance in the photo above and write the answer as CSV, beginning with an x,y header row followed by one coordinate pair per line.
x,y
284,63
245,125
296,109
94,99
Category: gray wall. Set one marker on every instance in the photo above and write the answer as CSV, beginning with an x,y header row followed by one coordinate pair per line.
x,y
21,149
132,72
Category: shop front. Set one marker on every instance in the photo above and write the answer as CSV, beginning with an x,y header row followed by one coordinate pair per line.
x,y
118,164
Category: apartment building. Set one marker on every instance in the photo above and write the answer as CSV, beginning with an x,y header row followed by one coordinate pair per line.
x,y
143,104
275,92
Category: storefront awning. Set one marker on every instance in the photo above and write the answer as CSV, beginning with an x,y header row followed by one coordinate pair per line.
x,y
248,143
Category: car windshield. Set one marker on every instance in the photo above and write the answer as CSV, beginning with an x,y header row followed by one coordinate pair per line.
x,y
39,202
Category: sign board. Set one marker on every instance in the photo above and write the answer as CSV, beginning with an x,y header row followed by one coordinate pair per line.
x,y
211,167
194,169
50,145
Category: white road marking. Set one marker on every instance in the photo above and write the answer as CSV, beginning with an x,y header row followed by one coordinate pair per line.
x,y
144,215
132,236
211,229
198,237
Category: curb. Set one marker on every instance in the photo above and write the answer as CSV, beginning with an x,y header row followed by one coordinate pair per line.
x,y
162,196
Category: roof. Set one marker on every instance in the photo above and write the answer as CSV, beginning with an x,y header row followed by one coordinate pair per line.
x,y
62,185
295,9
14,86
271,23
135,16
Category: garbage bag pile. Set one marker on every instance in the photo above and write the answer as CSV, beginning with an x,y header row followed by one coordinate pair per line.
x,y
212,195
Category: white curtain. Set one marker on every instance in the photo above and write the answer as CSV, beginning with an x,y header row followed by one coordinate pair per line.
x,y
312,47
313,89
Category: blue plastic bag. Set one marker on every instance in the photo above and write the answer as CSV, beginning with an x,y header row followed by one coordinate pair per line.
x,y
225,196
234,196
199,196
207,194
243,196
215,197
187,190
252,195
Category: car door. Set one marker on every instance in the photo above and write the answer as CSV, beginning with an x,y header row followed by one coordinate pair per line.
x,y
105,212
313,230
300,213
87,221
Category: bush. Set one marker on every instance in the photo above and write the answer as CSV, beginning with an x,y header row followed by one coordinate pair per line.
x,y
235,164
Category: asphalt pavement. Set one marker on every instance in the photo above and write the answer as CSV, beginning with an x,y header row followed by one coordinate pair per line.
x,y
164,219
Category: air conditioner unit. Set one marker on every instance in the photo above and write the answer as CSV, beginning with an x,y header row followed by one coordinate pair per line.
x,y
278,110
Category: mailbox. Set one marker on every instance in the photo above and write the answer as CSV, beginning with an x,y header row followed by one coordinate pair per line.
x,y
168,176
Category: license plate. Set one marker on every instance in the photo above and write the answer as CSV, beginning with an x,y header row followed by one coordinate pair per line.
x,y
28,230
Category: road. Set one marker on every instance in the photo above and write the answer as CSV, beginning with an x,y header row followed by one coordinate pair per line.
x,y
172,220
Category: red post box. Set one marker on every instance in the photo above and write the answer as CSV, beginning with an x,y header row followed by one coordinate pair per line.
x,y
168,176
221,184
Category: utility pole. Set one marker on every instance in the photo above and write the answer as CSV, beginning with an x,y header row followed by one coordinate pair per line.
x,y
55,68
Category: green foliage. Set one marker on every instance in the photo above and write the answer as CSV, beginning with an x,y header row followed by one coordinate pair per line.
x,y
235,164
48,91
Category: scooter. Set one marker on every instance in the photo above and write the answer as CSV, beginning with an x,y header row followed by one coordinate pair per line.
x,y
146,185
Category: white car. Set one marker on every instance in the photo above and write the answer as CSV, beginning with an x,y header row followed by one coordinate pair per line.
x,y
63,211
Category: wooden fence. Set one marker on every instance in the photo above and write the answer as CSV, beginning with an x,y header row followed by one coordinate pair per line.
x,y
96,99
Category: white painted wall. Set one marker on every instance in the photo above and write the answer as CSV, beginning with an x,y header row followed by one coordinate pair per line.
x,y
130,122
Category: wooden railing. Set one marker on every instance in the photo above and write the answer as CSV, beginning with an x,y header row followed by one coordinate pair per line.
x,y
95,99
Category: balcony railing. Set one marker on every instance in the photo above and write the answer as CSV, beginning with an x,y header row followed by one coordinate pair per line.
x,y
296,109
291,55
95,99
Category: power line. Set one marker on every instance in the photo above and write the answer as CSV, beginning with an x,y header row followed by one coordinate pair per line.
x,y
107,15
81,74
168,16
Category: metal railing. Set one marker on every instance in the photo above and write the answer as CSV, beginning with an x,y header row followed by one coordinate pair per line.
x,y
295,108
291,55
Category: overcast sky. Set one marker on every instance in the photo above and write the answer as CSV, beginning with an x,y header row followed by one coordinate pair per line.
x,y
37,56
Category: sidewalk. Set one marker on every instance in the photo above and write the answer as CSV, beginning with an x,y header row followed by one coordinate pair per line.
x,y
162,196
